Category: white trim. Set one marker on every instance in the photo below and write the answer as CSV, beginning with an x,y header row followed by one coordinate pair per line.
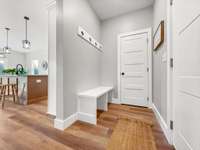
x,y
163,124
118,68
85,117
116,101
149,32
50,113
51,4
63,124
170,86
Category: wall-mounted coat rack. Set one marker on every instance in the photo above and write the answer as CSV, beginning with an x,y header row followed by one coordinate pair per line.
x,y
87,37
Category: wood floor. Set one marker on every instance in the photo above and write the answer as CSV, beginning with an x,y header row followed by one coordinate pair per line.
x,y
29,128
132,134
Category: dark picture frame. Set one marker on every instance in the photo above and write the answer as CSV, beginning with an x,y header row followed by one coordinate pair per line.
x,y
158,37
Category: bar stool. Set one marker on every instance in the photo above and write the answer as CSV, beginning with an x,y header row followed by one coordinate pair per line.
x,y
7,88
1,88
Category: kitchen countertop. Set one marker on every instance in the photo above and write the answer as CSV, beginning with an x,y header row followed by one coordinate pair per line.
x,y
8,75
38,75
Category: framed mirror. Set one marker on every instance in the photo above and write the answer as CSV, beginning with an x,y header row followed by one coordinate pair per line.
x,y
158,37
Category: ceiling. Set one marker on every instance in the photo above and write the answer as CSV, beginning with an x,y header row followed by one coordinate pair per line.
x,y
12,14
111,8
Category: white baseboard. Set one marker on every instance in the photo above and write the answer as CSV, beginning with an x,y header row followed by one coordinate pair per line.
x,y
50,113
63,124
163,124
87,118
116,101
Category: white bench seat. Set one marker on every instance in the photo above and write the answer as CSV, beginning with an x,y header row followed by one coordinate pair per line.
x,y
91,100
96,93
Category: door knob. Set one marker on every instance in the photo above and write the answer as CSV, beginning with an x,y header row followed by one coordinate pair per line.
x,y
122,73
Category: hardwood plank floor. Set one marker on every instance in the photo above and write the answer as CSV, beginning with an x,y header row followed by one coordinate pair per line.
x,y
30,128
130,135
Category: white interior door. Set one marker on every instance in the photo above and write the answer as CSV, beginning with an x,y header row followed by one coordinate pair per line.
x,y
186,20
133,69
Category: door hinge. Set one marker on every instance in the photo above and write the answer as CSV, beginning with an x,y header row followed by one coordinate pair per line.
x,y
171,62
147,69
171,2
147,98
171,125
147,40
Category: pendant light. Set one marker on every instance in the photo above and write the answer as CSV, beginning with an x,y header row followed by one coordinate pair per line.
x,y
26,43
2,56
6,49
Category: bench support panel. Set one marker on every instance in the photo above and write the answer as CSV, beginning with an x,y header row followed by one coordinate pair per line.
x,y
88,106
89,118
102,103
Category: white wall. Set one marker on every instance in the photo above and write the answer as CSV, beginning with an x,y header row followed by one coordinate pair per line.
x,y
13,59
78,67
109,31
25,59
36,55
12,14
159,66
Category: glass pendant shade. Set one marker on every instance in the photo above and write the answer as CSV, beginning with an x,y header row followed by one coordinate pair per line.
x,y
6,49
2,56
1,52
26,44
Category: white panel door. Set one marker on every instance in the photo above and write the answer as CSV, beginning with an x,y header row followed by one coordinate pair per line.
x,y
186,24
133,68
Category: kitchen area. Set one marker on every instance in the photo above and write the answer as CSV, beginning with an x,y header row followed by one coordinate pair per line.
x,y
31,88
31,85
27,43
23,68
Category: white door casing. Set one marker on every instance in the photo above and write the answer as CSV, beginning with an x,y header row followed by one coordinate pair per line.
x,y
134,67
186,50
